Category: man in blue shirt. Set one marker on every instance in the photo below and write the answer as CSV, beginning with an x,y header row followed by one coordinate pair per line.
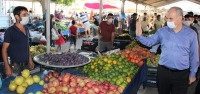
x,y
179,57
16,44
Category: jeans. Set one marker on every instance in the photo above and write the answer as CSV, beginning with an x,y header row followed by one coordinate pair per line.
x,y
132,33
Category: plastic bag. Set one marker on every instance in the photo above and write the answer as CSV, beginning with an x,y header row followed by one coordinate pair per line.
x,y
43,40
54,35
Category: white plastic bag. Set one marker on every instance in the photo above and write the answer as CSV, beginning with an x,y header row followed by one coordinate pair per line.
x,y
43,40
54,35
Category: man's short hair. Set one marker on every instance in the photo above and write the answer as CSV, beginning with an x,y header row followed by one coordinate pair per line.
x,y
191,13
158,16
195,15
134,14
178,10
110,14
187,16
73,22
18,10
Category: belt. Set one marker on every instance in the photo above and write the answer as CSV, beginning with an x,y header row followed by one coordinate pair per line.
x,y
19,63
85,21
172,70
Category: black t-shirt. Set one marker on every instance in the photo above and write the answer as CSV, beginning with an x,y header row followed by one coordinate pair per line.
x,y
96,22
18,49
133,24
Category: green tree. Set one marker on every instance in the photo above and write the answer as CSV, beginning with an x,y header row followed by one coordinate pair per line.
x,y
65,2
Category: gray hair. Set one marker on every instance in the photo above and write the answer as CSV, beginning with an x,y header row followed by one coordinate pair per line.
x,y
179,11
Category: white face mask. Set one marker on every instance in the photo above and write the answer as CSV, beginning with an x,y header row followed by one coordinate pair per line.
x,y
187,23
24,20
171,24
110,20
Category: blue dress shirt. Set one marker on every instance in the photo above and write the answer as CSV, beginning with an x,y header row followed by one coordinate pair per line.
x,y
179,50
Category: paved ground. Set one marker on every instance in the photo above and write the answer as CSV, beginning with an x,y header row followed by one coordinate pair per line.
x,y
147,90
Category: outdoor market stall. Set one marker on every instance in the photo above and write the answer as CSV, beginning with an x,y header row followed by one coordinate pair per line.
x,y
126,69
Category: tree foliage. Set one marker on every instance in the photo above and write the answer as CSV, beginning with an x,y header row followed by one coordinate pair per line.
x,y
65,2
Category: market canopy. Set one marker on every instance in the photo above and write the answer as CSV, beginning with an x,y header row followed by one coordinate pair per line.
x,y
159,3
97,6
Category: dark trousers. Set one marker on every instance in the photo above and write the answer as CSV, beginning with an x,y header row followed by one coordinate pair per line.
x,y
197,91
172,82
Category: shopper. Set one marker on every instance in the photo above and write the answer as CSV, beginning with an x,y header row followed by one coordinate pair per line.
x,y
133,25
145,24
52,25
16,44
106,32
73,35
158,23
179,57
86,24
60,41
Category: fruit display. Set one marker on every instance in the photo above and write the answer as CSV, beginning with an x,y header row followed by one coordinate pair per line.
x,y
21,83
114,68
39,49
64,59
71,84
136,43
61,25
124,36
136,54
155,63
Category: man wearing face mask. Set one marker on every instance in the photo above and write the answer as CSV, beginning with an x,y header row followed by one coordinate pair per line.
x,y
179,58
188,22
16,44
106,32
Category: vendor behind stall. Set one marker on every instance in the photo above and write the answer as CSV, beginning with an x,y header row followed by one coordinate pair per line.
x,y
106,32
16,44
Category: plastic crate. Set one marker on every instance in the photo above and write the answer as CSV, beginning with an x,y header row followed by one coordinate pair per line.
x,y
152,70
89,47
151,83
151,77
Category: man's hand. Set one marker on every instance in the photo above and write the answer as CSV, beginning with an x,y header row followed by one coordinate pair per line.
x,y
192,79
138,28
31,64
153,57
8,71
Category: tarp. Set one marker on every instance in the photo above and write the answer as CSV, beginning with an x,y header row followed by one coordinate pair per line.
x,y
97,6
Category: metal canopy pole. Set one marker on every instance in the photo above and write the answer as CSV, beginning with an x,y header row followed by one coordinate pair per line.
x,y
100,18
136,6
48,25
